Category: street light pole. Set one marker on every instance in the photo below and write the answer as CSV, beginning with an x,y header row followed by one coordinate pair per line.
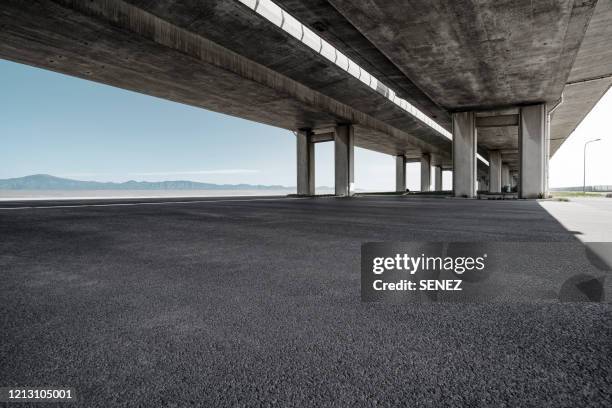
x,y
584,165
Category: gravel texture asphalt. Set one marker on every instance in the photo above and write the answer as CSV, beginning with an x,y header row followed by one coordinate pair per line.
x,y
248,302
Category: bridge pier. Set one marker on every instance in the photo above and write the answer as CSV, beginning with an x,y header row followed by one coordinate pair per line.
x,y
305,163
464,154
344,163
425,172
495,171
505,176
533,151
438,178
400,173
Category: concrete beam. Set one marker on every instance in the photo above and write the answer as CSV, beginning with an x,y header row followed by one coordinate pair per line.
x,y
425,172
187,54
464,154
305,163
533,152
495,171
533,72
497,121
400,173
437,178
344,143
322,137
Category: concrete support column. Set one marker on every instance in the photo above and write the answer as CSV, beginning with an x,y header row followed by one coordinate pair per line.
x,y
464,154
305,163
344,154
533,151
400,173
495,171
425,172
505,176
437,178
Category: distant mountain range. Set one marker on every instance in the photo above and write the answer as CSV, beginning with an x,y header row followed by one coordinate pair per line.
x,y
47,182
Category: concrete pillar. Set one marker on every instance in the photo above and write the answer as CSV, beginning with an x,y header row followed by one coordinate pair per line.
x,y
495,171
533,151
464,154
344,153
437,178
305,163
400,173
505,177
425,172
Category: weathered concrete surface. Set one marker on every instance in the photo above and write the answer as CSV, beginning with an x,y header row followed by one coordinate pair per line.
x,y
327,22
257,303
479,55
219,55
470,55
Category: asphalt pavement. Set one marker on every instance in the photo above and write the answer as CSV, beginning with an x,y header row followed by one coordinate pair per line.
x,y
255,302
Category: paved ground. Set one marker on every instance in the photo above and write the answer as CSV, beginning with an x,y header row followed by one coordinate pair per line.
x,y
589,218
256,302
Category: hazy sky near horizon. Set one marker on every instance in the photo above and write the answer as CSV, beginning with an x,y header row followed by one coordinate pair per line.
x,y
69,127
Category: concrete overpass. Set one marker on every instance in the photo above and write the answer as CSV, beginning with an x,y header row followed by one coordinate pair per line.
x,y
435,82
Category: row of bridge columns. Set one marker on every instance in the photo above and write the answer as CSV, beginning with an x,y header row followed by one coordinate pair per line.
x,y
344,166
533,142
426,173
533,149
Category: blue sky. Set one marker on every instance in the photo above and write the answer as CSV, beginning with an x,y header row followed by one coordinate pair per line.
x,y
68,127
75,128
